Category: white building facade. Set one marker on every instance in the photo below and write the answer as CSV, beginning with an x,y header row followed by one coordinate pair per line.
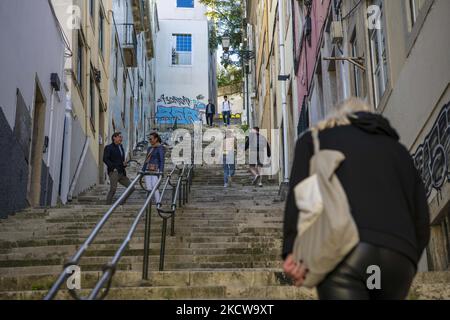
x,y
32,103
183,75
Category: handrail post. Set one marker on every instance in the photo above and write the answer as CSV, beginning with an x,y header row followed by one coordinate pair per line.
x,y
183,195
173,193
148,218
163,245
172,228
180,199
185,191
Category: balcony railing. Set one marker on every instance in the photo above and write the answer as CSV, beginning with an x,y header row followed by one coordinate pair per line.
x,y
128,41
139,7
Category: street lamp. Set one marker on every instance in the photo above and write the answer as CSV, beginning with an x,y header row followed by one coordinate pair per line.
x,y
247,56
226,43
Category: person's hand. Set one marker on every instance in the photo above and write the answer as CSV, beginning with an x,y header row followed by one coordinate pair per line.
x,y
296,271
125,164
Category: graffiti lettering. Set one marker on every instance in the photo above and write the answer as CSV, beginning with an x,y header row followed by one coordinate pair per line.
x,y
183,110
432,157
168,115
183,101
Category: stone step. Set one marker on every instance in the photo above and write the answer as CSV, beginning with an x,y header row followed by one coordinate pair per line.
x,y
182,212
237,288
217,242
133,260
182,293
182,224
134,246
44,253
262,277
153,265
120,228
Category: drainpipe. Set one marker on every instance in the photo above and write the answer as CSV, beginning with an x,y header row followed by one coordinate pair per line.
x,y
78,171
49,150
283,91
65,180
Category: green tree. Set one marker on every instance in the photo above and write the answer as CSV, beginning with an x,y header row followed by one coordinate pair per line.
x,y
227,17
229,76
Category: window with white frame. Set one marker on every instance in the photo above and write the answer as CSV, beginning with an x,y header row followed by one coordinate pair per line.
x,y
378,55
185,3
182,49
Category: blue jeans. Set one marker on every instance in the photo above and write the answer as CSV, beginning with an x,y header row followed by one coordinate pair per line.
x,y
228,170
226,117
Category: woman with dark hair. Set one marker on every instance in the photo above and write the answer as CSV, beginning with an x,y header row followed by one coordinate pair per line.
x,y
154,162
387,202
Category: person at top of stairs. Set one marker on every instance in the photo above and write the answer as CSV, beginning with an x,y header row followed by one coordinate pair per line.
x,y
114,158
154,162
226,111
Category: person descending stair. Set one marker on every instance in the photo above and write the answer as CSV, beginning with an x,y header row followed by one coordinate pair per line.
x,y
154,163
229,167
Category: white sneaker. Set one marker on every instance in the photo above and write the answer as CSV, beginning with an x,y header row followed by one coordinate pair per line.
x,y
225,185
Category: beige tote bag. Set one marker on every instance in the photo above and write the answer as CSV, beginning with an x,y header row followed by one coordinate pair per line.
x,y
326,229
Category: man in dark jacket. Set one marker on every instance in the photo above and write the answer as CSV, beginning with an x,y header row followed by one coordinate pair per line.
x,y
387,201
114,158
210,112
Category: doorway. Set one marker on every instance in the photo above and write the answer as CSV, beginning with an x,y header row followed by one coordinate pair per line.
x,y
37,147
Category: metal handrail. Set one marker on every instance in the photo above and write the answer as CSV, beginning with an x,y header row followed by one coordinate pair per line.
x,y
109,269
75,260
145,265
179,192
169,214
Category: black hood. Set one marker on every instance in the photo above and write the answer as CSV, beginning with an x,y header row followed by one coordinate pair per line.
x,y
373,123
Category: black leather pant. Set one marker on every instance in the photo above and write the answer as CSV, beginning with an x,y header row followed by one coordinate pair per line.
x,y
349,280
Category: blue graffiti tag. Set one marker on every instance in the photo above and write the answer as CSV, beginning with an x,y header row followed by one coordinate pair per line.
x,y
182,115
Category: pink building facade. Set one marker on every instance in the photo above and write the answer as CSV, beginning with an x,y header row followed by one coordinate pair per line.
x,y
309,24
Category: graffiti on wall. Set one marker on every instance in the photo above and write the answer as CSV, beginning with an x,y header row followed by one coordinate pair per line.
x,y
433,156
182,110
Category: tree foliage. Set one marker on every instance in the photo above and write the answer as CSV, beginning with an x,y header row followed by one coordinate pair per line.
x,y
227,17
229,76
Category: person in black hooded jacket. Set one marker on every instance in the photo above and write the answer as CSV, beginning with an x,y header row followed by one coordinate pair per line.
x,y
387,201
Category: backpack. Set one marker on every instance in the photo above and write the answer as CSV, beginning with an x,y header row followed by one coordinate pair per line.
x,y
326,231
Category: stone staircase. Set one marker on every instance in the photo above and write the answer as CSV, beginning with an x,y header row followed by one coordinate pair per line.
x,y
227,246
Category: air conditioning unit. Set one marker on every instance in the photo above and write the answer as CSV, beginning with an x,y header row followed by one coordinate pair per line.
x,y
337,34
